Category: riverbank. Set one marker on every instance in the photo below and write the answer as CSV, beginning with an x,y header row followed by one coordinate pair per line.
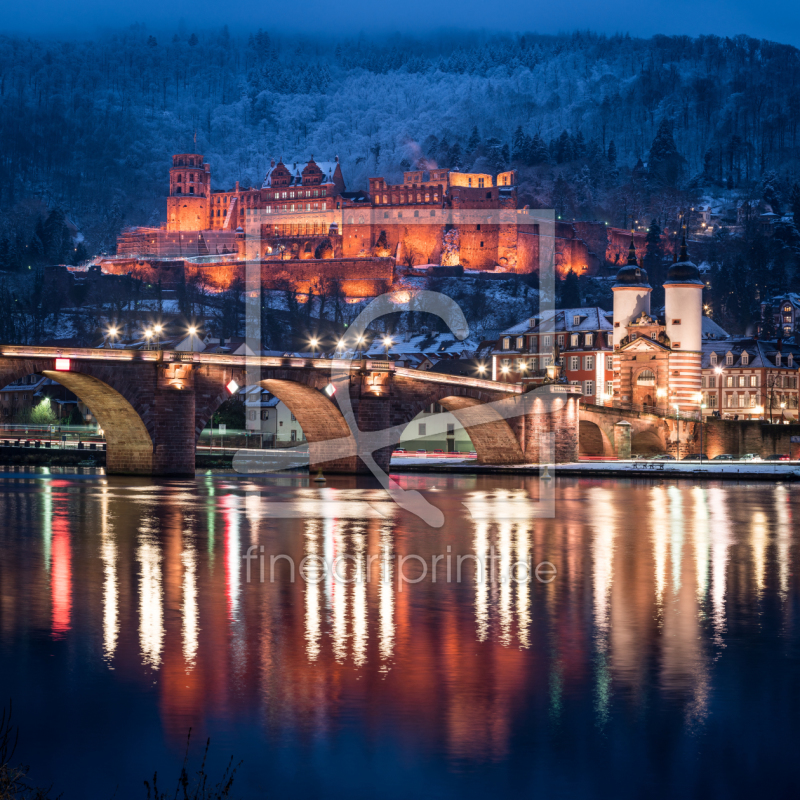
x,y
734,470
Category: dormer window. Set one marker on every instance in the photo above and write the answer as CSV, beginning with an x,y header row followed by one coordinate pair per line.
x,y
532,322
520,342
574,340
790,360
506,343
745,359
777,359
713,359
576,320
729,359
589,339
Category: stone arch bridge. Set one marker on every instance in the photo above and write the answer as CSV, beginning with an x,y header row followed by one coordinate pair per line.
x,y
152,405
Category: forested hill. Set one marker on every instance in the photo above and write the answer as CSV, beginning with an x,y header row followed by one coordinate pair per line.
x,y
90,125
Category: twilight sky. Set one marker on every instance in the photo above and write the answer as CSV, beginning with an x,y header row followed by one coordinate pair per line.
x,y
778,20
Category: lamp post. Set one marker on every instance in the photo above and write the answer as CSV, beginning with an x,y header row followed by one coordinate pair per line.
x,y
113,333
387,343
192,333
158,329
699,399
678,429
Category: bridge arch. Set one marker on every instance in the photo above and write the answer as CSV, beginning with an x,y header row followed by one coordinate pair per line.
x,y
593,440
492,437
129,444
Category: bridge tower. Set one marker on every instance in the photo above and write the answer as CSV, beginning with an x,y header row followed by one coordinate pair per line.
x,y
683,312
631,298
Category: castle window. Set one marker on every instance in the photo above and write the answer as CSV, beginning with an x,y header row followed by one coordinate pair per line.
x,y
386,215
179,177
435,197
416,213
479,226
469,181
480,183
433,213
178,190
386,199
191,190
481,244
427,197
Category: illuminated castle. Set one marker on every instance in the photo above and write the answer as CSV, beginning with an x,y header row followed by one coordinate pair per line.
x,y
658,362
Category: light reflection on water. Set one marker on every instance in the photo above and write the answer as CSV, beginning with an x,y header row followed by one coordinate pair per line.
x,y
674,606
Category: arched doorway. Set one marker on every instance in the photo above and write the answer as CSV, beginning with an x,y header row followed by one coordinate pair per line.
x,y
645,388
647,443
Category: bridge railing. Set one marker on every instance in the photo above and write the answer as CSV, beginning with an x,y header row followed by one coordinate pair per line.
x,y
664,411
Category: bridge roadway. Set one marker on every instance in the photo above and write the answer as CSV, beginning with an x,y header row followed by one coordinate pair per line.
x,y
153,404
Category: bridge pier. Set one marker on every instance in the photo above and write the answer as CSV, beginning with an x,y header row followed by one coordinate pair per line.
x,y
551,421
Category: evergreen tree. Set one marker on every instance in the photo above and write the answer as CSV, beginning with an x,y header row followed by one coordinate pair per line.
x,y
193,40
654,263
570,291
474,140
612,153
769,331
505,155
770,191
665,164
518,145
794,203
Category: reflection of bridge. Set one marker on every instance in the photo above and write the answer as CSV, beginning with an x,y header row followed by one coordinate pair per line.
x,y
153,405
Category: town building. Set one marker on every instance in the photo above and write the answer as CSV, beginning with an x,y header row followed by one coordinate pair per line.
x,y
750,379
786,313
579,340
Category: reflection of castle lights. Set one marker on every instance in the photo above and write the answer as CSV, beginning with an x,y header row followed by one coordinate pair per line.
x,y
314,575
359,600
108,555
386,596
61,585
190,612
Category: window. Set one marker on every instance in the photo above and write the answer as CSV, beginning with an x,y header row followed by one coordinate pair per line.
x,y
646,378
676,322
609,388
560,340
742,380
520,342
294,418
729,359
752,401
729,381
712,401
574,363
589,339
712,381
547,341
423,429
754,380
588,387
729,401
745,359
265,415
777,359
589,362
478,227
576,320
574,340
713,359
610,363
481,244
654,335
506,343
742,400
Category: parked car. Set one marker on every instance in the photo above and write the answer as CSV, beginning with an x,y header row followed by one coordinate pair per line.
x,y
664,457
778,457
695,457
438,452
725,457
750,457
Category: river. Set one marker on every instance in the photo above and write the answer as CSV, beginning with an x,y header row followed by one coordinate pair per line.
x,y
630,639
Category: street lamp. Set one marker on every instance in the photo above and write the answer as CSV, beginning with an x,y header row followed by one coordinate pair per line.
x,y
113,333
192,333
387,343
158,329
481,368
313,341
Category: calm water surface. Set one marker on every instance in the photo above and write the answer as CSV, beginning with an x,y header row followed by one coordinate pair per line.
x,y
662,661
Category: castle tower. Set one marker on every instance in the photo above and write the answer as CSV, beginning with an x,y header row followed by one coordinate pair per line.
x,y
683,316
631,295
188,204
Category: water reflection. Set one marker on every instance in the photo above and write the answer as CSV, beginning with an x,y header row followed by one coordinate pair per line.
x,y
660,590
